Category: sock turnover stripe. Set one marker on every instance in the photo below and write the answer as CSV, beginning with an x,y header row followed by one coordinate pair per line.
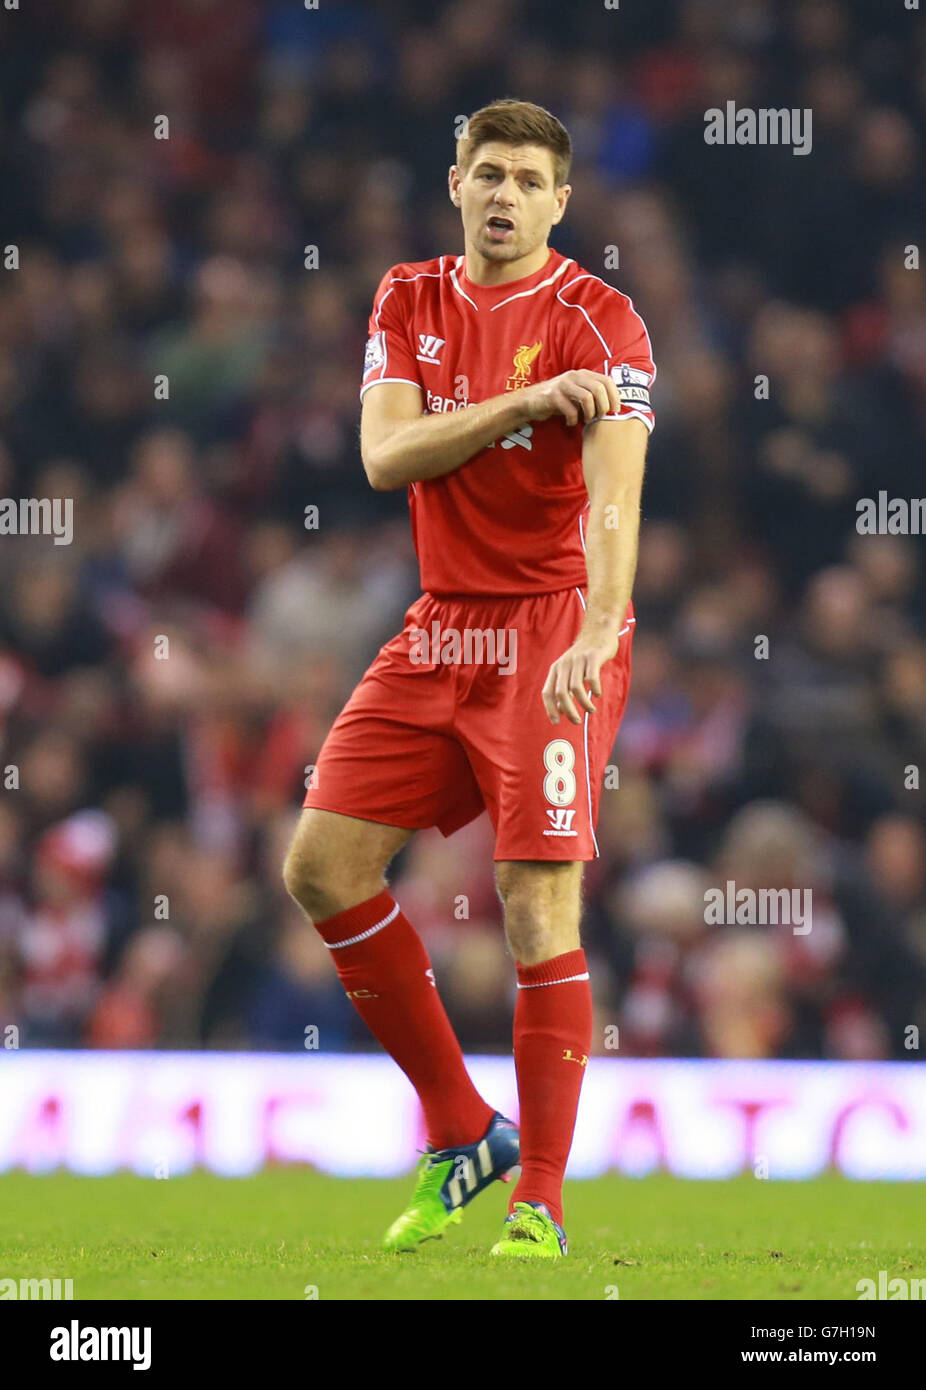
x,y
541,984
370,931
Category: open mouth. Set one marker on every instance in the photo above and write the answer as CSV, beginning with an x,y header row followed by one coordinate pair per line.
x,y
500,228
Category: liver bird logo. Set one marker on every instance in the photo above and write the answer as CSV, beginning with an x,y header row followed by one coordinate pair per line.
x,y
524,358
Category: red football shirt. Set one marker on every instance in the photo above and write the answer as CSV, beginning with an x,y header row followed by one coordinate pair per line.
x,y
511,519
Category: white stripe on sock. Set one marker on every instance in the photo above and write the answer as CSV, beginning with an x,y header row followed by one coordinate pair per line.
x,y
370,931
568,981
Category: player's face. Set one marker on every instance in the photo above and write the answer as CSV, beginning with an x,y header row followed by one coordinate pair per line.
x,y
508,200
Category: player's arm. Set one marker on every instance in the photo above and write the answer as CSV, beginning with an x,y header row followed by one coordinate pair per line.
x,y
613,457
400,445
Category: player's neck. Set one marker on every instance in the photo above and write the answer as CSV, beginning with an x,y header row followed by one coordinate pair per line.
x,y
482,271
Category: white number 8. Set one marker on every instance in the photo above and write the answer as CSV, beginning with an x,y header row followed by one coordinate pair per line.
x,y
559,785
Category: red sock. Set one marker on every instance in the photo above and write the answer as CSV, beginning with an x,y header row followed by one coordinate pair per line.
x,y
385,969
552,1038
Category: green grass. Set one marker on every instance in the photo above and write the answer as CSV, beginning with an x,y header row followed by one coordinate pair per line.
x,y
268,1236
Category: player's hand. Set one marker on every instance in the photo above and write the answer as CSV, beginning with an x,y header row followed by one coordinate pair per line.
x,y
579,395
577,668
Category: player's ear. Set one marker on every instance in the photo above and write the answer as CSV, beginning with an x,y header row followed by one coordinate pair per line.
x,y
562,198
453,184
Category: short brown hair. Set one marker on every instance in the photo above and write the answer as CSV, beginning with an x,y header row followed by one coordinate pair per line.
x,y
517,123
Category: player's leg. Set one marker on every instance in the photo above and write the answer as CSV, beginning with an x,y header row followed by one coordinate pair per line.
x,y
335,870
336,861
552,1020
542,784
390,760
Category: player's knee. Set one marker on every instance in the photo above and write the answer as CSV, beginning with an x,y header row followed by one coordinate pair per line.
x,y
541,905
324,878
531,926
532,936
533,941
516,886
305,878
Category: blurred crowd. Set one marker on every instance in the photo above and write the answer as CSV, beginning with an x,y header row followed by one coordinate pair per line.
x,y
167,679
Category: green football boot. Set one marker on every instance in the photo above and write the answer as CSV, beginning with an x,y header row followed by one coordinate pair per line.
x,y
530,1232
447,1179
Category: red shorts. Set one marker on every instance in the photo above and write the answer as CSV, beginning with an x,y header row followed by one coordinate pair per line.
x,y
439,730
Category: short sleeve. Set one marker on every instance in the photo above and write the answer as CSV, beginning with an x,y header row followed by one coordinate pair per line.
x,y
604,333
389,355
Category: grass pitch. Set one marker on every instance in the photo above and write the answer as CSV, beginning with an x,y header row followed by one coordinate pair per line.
x,y
283,1231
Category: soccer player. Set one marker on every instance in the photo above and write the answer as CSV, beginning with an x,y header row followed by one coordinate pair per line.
x,y
508,390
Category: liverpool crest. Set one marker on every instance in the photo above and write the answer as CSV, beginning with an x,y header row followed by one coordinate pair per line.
x,y
523,361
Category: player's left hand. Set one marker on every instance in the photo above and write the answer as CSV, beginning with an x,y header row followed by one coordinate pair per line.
x,y
577,668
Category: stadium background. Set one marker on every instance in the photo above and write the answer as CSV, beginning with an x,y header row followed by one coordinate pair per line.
x,y
334,128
